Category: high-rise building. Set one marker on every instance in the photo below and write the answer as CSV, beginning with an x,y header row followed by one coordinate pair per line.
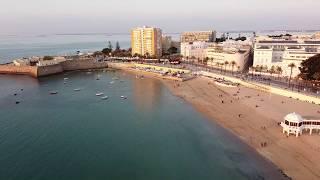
x,y
146,41
203,36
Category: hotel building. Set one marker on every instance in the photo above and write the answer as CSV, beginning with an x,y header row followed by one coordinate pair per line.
x,y
271,51
146,41
204,36
217,54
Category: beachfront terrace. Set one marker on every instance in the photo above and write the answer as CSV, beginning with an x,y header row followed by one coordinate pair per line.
x,y
295,124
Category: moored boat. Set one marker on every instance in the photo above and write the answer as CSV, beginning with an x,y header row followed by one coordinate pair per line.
x,y
53,92
104,97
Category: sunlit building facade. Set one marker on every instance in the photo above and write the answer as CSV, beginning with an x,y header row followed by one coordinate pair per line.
x,y
146,41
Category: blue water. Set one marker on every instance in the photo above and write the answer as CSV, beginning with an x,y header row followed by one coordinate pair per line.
x,y
151,135
17,46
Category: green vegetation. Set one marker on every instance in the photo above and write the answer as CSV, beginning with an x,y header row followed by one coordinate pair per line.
x,y
173,50
47,58
291,66
106,51
241,38
310,69
117,46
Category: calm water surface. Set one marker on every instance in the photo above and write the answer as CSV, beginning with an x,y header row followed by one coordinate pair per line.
x,y
151,135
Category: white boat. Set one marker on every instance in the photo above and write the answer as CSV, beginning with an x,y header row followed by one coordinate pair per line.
x,y
78,89
124,97
99,94
112,82
66,78
53,92
104,97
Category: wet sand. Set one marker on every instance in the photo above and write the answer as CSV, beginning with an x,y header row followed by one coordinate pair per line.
x,y
253,116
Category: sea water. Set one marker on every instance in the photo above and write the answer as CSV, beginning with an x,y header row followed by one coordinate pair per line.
x,y
151,135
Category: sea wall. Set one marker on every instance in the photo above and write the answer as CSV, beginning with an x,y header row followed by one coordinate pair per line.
x,y
38,71
266,88
11,69
82,64
49,70
120,65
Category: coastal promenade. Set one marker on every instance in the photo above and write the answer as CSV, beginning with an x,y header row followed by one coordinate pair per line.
x,y
265,88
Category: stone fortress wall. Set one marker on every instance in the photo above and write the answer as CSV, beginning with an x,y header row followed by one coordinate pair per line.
x,y
40,71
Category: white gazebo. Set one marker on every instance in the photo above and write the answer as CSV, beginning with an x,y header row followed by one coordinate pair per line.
x,y
293,124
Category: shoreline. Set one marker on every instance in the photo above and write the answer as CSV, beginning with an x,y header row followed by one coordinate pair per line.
x,y
296,157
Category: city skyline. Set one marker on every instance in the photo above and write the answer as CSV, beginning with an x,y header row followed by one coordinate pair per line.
x,y
96,16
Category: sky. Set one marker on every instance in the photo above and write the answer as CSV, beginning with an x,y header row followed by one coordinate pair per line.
x,y
119,16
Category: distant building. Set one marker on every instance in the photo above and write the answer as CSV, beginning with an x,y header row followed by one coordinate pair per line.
x,y
317,35
277,51
204,36
146,41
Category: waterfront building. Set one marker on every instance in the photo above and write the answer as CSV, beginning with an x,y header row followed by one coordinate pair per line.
x,y
284,50
294,124
204,36
238,57
215,54
146,41
194,50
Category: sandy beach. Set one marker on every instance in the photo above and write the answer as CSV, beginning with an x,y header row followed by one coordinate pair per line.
x,y
253,116
257,124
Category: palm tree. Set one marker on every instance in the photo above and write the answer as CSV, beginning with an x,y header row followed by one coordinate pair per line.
x,y
233,63
291,66
225,66
272,70
279,71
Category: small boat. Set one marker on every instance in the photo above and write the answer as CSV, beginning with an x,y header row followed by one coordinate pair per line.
x,y
112,82
65,78
104,97
53,92
78,89
99,94
115,78
124,97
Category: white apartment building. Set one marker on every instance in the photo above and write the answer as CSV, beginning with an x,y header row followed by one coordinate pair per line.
x,y
219,54
216,54
270,51
194,50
